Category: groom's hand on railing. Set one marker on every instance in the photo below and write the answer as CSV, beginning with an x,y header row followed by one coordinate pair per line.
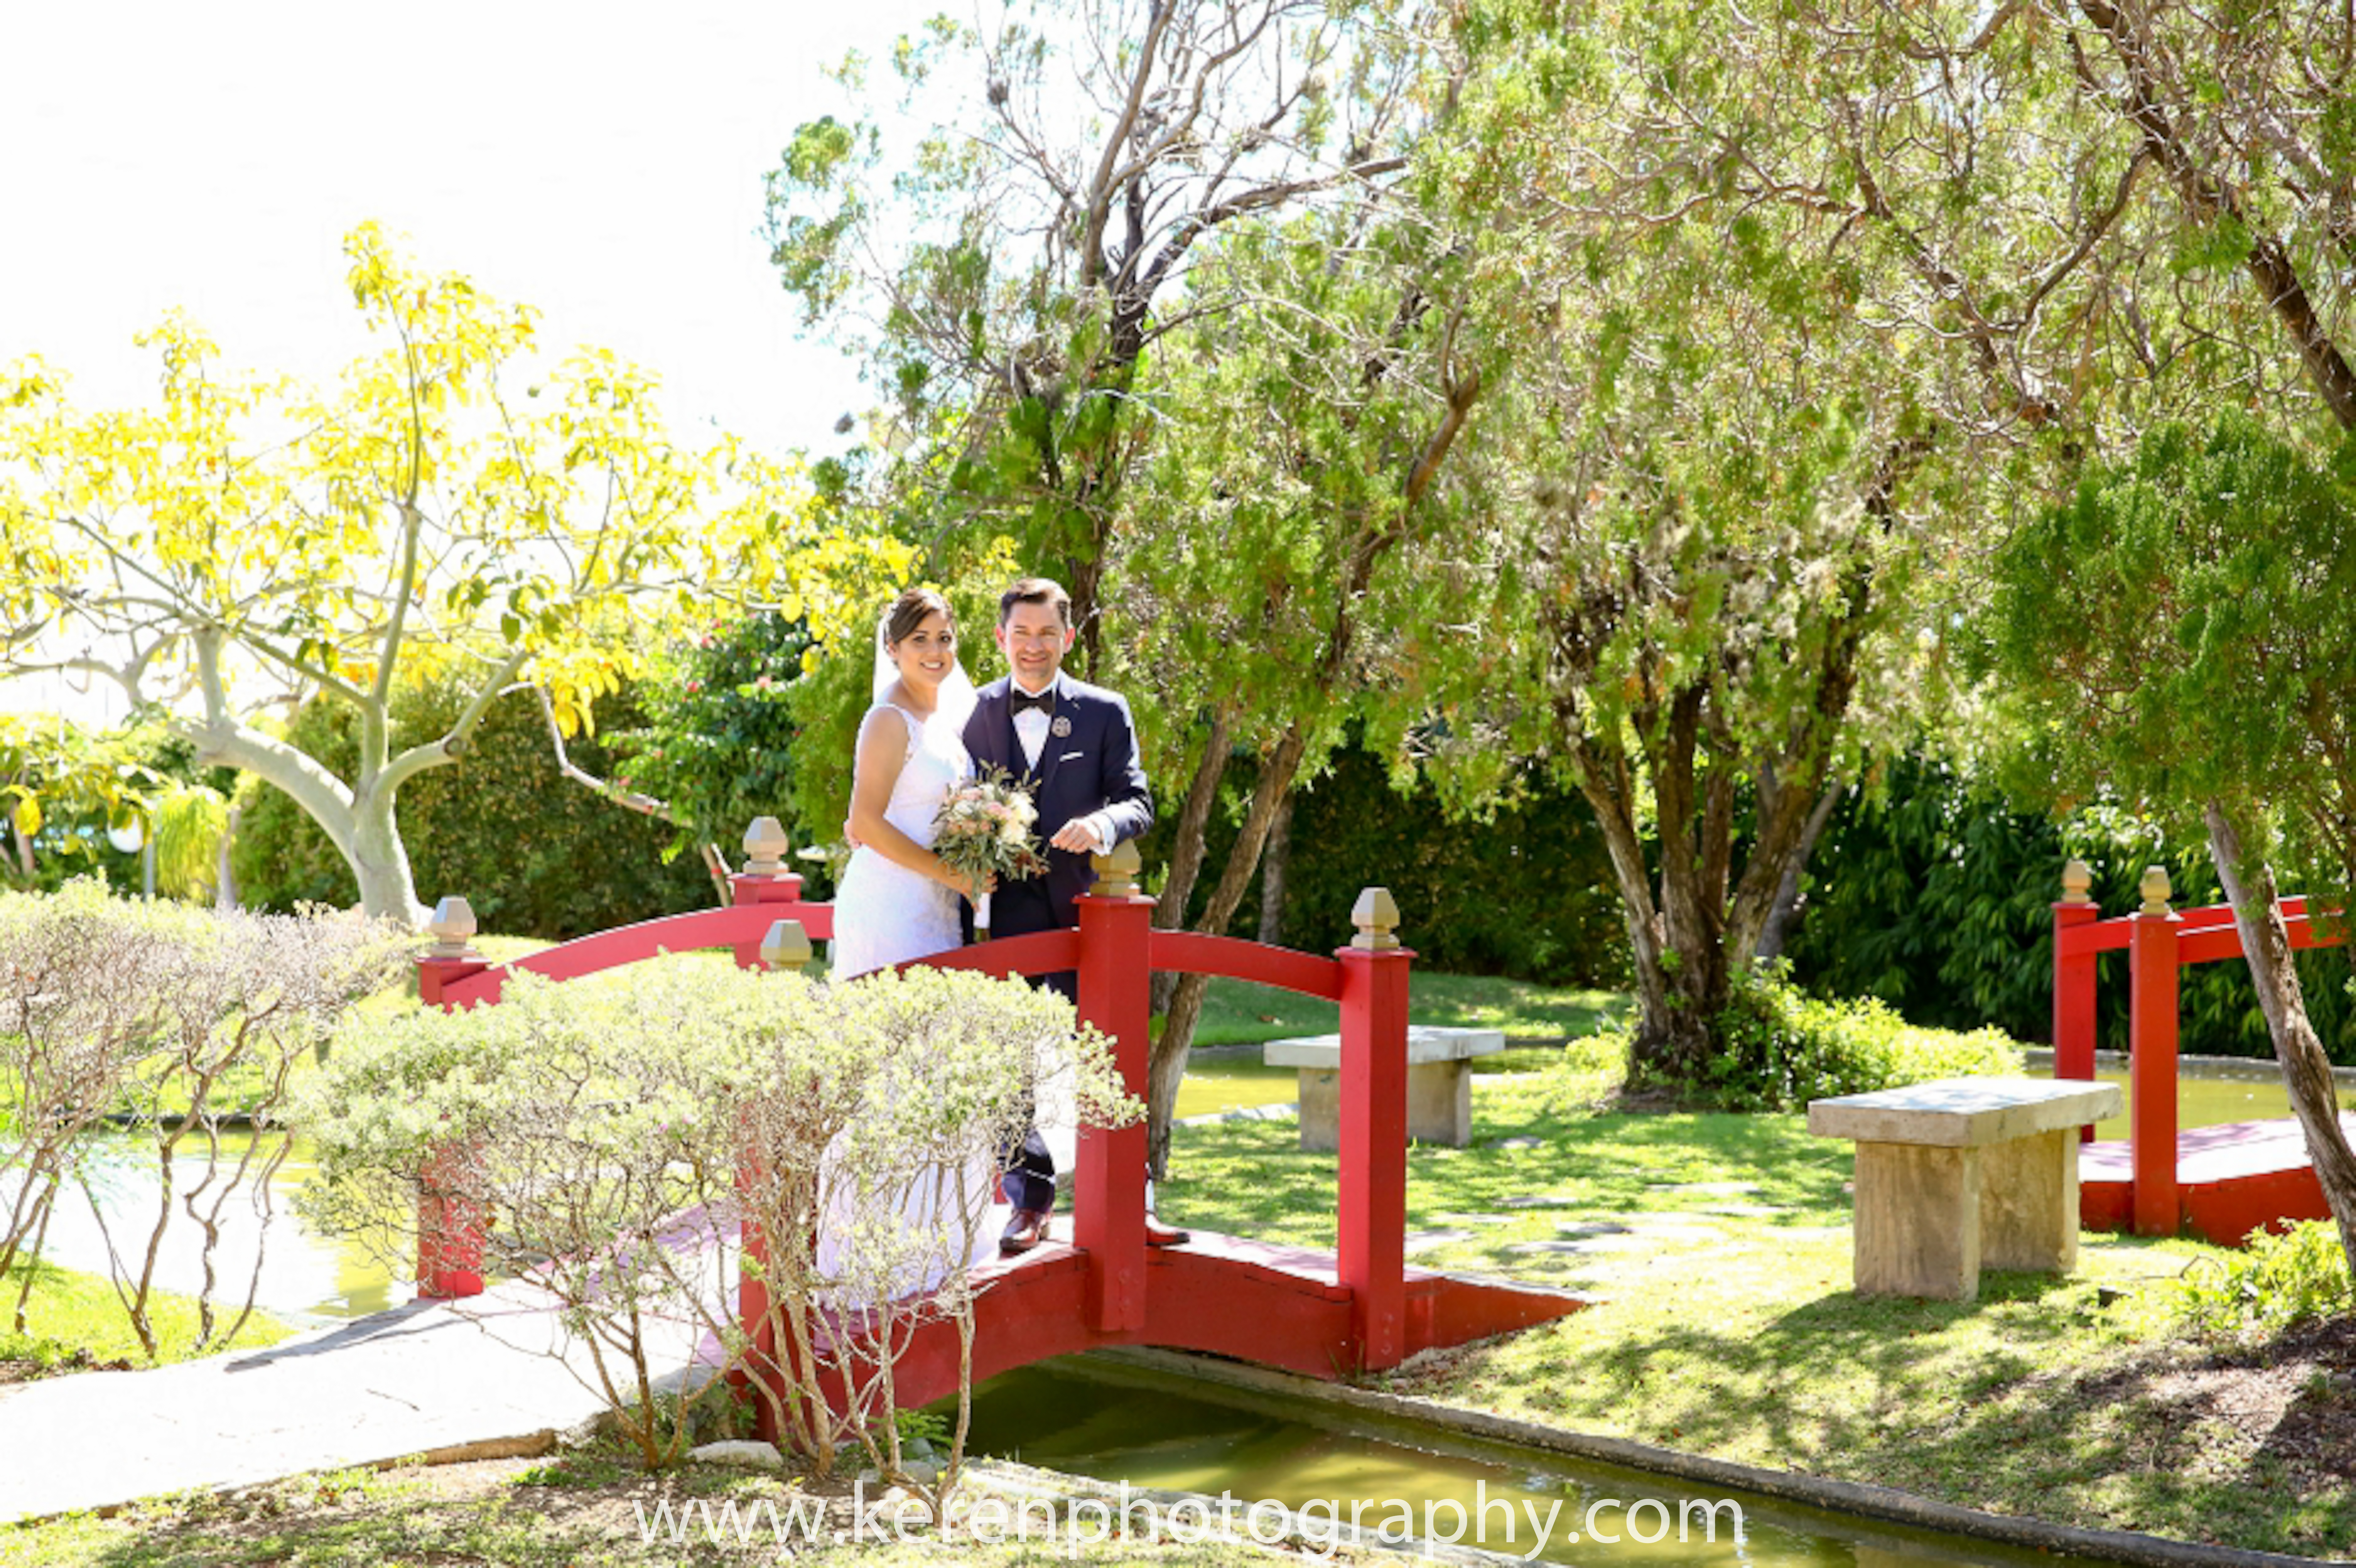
x,y
1084,836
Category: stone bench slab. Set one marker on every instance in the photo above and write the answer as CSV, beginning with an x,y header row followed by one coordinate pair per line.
x,y
1964,1112
1427,1044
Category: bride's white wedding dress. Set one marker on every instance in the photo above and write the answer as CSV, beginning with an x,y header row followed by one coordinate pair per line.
x,y
885,913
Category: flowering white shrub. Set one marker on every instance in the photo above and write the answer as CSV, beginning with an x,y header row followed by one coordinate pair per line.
x,y
626,1131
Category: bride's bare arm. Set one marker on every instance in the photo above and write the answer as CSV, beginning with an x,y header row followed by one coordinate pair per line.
x,y
882,752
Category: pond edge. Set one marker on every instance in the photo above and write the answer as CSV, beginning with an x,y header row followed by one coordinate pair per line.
x,y
1858,1498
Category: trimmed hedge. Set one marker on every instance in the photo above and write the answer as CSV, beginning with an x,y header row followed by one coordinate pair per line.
x,y
535,854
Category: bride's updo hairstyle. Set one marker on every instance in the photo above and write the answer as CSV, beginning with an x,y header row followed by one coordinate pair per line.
x,y
908,612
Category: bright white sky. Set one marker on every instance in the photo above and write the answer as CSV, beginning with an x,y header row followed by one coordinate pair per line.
x,y
600,161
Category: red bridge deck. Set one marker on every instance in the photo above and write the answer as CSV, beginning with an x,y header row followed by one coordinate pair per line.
x,y
2229,1179
1224,1295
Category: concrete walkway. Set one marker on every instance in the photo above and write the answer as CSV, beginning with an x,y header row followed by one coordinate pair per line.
x,y
489,1374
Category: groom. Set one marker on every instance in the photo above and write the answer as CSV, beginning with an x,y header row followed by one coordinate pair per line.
x,y
1071,746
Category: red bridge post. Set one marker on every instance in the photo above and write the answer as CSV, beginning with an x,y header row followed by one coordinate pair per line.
x,y
450,1231
2152,960
764,880
1371,1197
2074,981
1108,1177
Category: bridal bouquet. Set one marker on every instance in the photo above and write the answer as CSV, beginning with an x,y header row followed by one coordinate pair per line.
x,y
983,830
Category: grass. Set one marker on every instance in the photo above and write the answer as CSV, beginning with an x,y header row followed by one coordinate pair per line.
x,y
579,1511
1720,1244
74,1319
1236,1012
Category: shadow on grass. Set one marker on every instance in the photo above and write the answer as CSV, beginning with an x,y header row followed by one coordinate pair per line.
x,y
2033,1399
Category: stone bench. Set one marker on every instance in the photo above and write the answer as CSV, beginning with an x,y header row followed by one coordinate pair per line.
x,y
1962,1172
1439,1082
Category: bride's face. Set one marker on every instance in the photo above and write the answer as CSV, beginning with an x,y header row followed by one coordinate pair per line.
x,y
925,656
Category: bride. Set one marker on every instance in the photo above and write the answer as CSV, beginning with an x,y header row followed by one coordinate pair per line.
x,y
896,901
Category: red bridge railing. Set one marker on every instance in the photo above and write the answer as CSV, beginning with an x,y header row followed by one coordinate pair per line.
x,y
2159,942
1115,950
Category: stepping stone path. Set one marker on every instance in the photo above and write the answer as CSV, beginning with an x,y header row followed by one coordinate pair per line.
x,y
1742,1211
1424,1241
1520,1143
1539,1201
1475,1219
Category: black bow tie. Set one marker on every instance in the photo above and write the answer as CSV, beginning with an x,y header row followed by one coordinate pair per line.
x,y
1021,701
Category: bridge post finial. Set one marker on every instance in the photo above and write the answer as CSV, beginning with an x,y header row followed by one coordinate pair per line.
x,y
1116,872
2155,888
787,946
452,929
1376,916
2077,883
765,848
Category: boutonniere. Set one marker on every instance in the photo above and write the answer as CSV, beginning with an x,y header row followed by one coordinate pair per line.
x,y
1060,727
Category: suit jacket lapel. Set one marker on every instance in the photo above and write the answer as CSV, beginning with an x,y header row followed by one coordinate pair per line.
x,y
1051,748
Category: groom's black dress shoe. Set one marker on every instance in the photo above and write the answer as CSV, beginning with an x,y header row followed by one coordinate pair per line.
x,y
1025,1230
1158,1235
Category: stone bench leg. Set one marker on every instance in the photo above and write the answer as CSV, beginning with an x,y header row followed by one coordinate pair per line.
x,y
1439,1104
1918,1221
1439,1107
1321,1110
2029,1202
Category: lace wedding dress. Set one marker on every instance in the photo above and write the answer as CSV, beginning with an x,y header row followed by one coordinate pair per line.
x,y
886,914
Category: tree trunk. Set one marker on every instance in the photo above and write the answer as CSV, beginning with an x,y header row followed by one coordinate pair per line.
x,y
380,862
1274,861
1186,853
1773,936
1170,1051
2306,1070
224,878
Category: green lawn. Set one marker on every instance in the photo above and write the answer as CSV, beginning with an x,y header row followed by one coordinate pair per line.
x,y
74,1319
1720,1245
1236,1012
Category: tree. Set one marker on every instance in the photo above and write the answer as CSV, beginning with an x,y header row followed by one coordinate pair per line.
x,y
1280,586
1100,321
2185,631
245,544
1932,259
58,776
1006,289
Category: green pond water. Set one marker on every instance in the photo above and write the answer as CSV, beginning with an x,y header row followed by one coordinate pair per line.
x,y
1157,1433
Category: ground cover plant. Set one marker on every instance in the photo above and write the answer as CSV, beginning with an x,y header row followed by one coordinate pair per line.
x,y
587,1509
1719,1245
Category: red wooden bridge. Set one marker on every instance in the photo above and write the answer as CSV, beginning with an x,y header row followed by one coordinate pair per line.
x,y
2218,1182
1328,1315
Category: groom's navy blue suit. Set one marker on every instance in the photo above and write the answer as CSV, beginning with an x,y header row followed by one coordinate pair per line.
x,y
1090,767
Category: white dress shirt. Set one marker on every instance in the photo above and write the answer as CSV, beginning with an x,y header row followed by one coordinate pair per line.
x,y
1030,734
